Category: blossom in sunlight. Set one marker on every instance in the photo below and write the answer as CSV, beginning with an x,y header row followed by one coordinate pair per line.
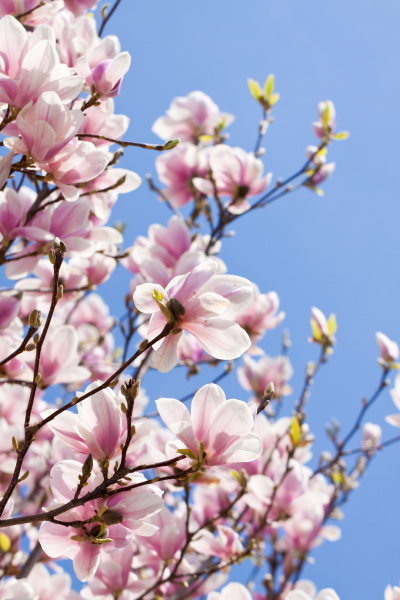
x,y
99,427
221,427
201,303
127,513
191,116
389,351
237,174
232,591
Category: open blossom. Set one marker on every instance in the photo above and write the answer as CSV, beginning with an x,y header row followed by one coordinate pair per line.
x,y
99,427
77,162
59,361
259,316
176,170
201,303
237,174
395,393
392,593
232,591
46,127
388,349
29,65
225,544
371,436
256,375
86,543
325,594
222,426
189,117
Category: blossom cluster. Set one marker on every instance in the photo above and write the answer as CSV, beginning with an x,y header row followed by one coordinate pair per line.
x,y
146,504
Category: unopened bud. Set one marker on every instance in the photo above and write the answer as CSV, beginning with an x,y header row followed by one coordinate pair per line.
x,y
74,400
52,257
123,389
171,144
38,378
15,443
36,338
30,347
112,517
60,291
87,465
33,318
24,476
56,243
143,345
63,247
133,430
269,391
123,408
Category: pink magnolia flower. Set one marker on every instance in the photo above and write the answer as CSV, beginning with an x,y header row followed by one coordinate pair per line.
x,y
190,117
114,578
392,593
261,315
232,591
194,303
46,127
29,65
236,174
101,120
5,167
59,361
171,534
48,587
14,206
86,543
11,589
223,426
225,544
372,434
79,7
78,162
395,393
388,349
106,77
41,14
176,170
256,375
99,427
325,594
166,252
325,127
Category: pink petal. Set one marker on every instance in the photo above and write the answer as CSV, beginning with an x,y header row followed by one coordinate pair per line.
x,y
220,338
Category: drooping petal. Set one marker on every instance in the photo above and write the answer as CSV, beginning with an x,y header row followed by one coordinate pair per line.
x,y
221,338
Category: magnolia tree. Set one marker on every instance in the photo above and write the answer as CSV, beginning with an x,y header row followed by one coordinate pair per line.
x,y
148,504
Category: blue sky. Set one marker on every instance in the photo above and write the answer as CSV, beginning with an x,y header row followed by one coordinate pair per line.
x,y
339,253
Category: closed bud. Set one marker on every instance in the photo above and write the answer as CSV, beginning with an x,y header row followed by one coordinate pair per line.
x,y
123,408
63,247
30,347
269,391
24,476
36,338
15,443
133,430
123,390
33,317
56,243
143,345
74,400
60,291
171,144
112,517
38,377
52,257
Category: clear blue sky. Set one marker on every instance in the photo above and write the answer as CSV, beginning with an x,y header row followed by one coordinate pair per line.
x,y
341,252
